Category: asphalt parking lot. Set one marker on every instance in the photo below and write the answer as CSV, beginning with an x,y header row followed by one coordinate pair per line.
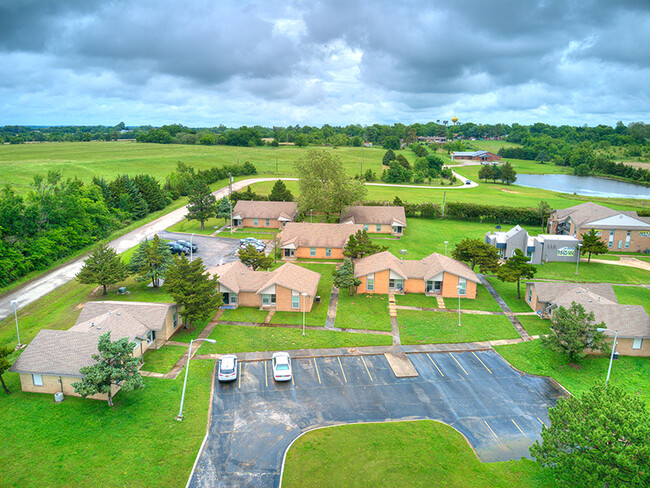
x,y
499,410
213,250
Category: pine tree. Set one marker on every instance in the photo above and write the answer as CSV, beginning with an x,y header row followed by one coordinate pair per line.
x,y
344,277
255,259
592,244
516,268
151,260
103,267
280,193
360,245
4,365
203,204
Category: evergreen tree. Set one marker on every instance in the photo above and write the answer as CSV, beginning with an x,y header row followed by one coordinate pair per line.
x,y
151,260
255,259
203,204
4,365
280,193
475,251
486,172
388,157
592,244
360,245
508,174
344,277
401,159
103,267
516,268
151,191
223,209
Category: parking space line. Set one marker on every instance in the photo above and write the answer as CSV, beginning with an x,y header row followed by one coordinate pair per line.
x,y
239,379
367,370
434,363
542,422
513,421
482,362
488,426
266,375
461,367
317,373
338,357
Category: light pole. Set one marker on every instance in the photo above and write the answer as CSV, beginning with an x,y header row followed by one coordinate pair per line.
x,y
304,297
14,303
458,287
611,358
578,260
446,242
179,417
231,229
311,215
191,247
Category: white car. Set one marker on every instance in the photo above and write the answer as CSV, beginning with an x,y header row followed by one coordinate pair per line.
x,y
227,368
281,362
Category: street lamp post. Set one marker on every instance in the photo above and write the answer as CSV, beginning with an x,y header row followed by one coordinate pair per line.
x,y
179,417
446,242
304,298
578,260
611,358
311,215
191,247
458,287
231,229
14,303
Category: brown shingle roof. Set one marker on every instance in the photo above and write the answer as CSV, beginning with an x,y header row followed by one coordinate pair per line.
x,y
303,234
548,291
249,209
151,315
588,212
364,214
295,278
238,277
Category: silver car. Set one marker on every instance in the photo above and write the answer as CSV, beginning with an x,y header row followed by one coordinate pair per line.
x,y
281,362
227,368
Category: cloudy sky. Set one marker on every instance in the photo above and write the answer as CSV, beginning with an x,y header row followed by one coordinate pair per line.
x,y
309,62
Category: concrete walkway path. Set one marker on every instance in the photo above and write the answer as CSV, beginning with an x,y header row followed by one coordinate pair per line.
x,y
331,310
506,309
629,261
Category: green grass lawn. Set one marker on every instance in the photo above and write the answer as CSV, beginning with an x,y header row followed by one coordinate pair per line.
x,y
420,453
508,292
442,327
534,325
362,311
606,257
163,359
593,272
318,313
62,443
194,226
633,295
483,301
244,314
630,373
416,300
239,338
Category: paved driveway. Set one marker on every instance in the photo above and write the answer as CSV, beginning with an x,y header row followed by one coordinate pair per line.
x,y
213,250
254,420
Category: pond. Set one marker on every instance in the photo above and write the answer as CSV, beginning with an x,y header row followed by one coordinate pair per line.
x,y
585,185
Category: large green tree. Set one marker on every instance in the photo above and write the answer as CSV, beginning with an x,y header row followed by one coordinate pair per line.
x,y
575,330
151,260
592,244
280,192
223,209
114,365
544,210
202,203
4,365
193,289
344,277
324,186
508,173
255,259
486,172
360,245
103,267
598,438
476,252
516,268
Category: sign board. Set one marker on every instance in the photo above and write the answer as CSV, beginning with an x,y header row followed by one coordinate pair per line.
x,y
566,251
644,234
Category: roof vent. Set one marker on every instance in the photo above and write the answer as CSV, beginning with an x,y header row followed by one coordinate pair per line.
x,y
117,313
92,324
99,328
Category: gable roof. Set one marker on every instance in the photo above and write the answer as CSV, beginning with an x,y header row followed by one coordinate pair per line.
x,y
424,269
366,214
549,291
304,234
239,278
589,212
251,209
129,318
471,153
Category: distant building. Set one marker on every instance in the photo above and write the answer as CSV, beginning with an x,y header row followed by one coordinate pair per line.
x,y
433,140
543,248
482,156
250,213
376,219
315,241
367,144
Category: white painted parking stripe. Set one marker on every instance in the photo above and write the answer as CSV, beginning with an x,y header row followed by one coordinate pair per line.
x,y
266,375
346,380
482,362
239,386
317,373
461,366
513,421
434,363
367,370
488,426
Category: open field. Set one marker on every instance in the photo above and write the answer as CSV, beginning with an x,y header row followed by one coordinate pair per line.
x,y
412,454
362,311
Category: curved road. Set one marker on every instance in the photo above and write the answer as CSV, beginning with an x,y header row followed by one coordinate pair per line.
x,y
51,280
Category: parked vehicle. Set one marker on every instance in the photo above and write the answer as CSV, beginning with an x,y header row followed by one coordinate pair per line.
x,y
188,245
258,244
468,182
177,248
281,362
227,368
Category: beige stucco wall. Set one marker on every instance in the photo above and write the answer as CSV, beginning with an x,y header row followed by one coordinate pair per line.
x,y
414,286
449,284
534,303
624,347
381,283
303,252
167,330
638,243
51,385
283,301
273,223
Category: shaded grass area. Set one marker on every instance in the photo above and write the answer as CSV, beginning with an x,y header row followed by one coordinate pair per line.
x,y
442,327
238,338
362,311
318,314
163,359
534,325
416,300
596,272
629,373
62,442
194,226
633,295
244,314
420,453
483,301
508,292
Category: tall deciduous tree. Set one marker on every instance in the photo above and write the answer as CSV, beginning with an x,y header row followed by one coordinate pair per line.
x,y
280,192
360,245
476,252
344,277
255,259
151,260
597,439
516,268
324,186
103,267
203,204
544,210
4,365
193,289
592,244
115,365
574,331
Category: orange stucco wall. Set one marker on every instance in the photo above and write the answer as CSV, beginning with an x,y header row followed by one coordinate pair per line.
x,y
283,301
303,252
449,283
273,223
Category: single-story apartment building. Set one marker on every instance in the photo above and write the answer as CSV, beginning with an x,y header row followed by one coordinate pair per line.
x,y
620,230
315,241
632,322
274,215
434,275
376,219
289,288
540,249
51,361
482,156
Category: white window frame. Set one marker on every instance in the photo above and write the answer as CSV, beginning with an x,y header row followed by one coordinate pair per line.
x,y
365,227
328,252
255,221
378,228
37,379
628,238
295,300
312,251
610,242
268,222
370,282
463,283
637,343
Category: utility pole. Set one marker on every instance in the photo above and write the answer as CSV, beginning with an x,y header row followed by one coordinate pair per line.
x,y
444,194
276,165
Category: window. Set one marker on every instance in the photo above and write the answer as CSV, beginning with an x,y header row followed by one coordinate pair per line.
x,y
328,252
637,343
365,227
268,298
151,336
378,227
610,243
268,222
295,300
370,282
288,253
175,319
429,287
462,282
530,293
628,236
37,379
312,251
255,222
396,284
233,298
